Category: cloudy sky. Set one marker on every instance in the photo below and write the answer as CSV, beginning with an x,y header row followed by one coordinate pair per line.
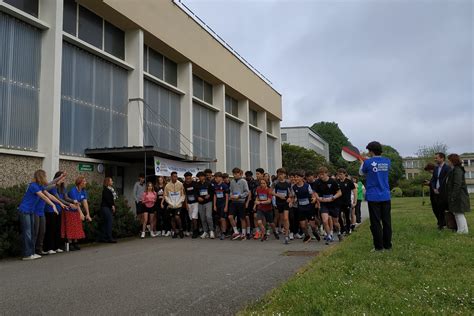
x,y
397,71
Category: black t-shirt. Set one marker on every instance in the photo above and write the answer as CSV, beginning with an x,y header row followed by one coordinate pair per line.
x,y
326,190
191,191
253,185
282,188
346,187
203,189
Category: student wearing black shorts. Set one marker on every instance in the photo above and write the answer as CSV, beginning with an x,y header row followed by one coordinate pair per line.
x,y
345,204
221,202
304,197
317,216
281,191
328,192
250,215
239,191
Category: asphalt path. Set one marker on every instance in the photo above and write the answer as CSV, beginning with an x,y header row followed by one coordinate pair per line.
x,y
157,276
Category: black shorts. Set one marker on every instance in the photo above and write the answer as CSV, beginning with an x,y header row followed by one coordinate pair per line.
x,y
174,211
333,211
306,214
267,215
140,208
346,209
149,210
249,211
282,207
220,212
237,209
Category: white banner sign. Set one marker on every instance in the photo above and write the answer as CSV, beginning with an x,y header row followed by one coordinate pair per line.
x,y
164,167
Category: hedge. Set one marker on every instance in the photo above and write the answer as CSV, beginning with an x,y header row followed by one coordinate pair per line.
x,y
125,223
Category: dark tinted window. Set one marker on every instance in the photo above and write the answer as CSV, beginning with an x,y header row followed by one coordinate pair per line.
x,y
171,72
155,63
90,27
28,6
70,17
114,40
207,92
198,89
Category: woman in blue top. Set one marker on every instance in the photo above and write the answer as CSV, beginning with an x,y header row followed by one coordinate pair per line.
x,y
72,220
33,194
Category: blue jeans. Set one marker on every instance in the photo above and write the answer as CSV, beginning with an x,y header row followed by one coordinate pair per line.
x,y
107,220
27,222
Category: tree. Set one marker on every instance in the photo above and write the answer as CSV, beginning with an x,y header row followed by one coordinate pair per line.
x,y
299,158
336,139
396,170
426,153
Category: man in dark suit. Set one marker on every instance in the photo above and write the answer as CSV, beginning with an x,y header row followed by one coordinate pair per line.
x,y
438,186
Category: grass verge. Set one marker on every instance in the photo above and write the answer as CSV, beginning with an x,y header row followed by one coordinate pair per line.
x,y
427,272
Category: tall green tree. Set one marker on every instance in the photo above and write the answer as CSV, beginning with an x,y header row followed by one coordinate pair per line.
x,y
331,132
299,158
396,171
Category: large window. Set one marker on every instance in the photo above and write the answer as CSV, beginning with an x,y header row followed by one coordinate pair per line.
x,y
284,137
93,29
28,6
253,117
231,106
202,89
94,102
271,155
232,144
162,117
161,67
254,149
204,132
270,126
20,59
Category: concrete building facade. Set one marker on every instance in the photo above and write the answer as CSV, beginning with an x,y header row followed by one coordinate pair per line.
x,y
81,80
305,137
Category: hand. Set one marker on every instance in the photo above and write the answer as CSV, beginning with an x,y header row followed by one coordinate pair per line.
x,y
62,205
225,209
200,199
72,207
76,202
82,217
247,205
207,196
162,205
113,209
88,218
55,210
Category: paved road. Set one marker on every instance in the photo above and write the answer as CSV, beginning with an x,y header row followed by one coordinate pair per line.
x,y
152,276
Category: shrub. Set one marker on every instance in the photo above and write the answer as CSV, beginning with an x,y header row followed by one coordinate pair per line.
x,y
397,192
124,225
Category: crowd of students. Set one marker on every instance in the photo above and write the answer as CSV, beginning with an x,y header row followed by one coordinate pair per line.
x,y
298,205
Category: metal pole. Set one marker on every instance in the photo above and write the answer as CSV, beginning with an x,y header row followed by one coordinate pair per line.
x,y
145,167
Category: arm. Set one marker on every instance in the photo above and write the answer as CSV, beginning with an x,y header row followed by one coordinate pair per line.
x,y
226,202
47,200
361,169
246,191
54,199
456,184
86,207
337,195
166,195
355,196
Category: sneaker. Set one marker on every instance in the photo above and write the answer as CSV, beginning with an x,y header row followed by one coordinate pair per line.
x,y
28,258
268,232
264,237
249,236
277,237
195,235
243,237
298,236
174,235
257,235
317,236
353,226
51,252
376,250
187,234
163,233
36,256
340,237
43,253
147,228
153,234
158,234
287,240
292,236
222,237
212,236
76,246
181,234
59,250
168,233
235,236
142,235
307,239
204,235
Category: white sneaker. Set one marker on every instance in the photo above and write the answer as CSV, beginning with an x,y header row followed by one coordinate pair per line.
x,y
142,235
36,256
59,250
43,253
153,234
298,236
51,252
28,258
147,228
292,236
163,233
212,235
168,233
204,235
187,234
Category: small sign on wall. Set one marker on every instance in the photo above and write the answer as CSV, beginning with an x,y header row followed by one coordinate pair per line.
x,y
88,167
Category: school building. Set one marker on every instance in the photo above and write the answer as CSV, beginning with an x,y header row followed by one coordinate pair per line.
x,y
305,137
100,87
414,166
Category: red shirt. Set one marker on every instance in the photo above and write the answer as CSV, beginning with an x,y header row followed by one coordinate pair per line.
x,y
264,195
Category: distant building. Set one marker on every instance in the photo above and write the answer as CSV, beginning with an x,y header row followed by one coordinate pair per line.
x,y
414,166
305,137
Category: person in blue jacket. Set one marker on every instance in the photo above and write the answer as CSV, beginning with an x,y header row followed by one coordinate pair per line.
x,y
376,170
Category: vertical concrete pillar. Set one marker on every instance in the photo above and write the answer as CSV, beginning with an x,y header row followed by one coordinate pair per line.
x,y
51,12
185,83
262,123
277,133
219,102
244,134
134,46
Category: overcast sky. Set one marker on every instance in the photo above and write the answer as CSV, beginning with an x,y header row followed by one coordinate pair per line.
x,y
400,72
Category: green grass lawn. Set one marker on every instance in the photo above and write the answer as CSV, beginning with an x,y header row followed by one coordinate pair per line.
x,y
427,272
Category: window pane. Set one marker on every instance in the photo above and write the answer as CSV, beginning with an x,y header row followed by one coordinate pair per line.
x,y
145,58
284,137
253,117
171,72
207,92
198,87
269,126
28,6
114,40
155,63
70,17
90,27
